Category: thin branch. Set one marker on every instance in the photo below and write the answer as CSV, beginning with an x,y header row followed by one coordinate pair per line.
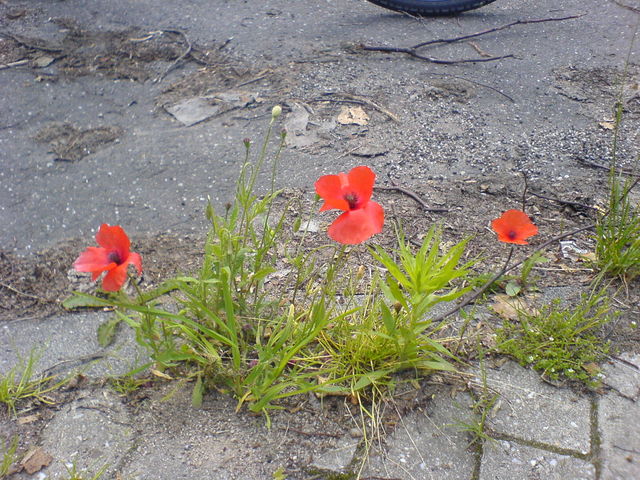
x,y
184,54
495,29
26,42
412,195
524,192
411,51
81,360
624,171
475,82
505,268
14,64
563,202
23,294
628,7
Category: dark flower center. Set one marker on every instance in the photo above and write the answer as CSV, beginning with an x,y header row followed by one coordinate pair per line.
x,y
512,234
352,199
114,257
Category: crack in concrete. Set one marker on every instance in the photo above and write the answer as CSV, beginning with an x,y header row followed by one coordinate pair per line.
x,y
596,441
541,446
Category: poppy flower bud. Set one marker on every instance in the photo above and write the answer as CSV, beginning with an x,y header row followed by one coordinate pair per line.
x,y
276,111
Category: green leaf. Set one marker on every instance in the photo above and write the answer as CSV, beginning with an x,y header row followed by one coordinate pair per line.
x,y
388,319
280,474
198,392
436,365
512,289
107,331
83,300
369,378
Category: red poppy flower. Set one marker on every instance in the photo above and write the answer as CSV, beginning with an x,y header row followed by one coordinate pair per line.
x,y
351,192
514,226
112,256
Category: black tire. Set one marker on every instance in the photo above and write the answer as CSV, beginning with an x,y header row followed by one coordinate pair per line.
x,y
431,7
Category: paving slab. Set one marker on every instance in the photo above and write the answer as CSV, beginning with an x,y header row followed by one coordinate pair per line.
x,y
69,341
619,436
503,460
429,443
622,373
177,441
339,458
533,410
89,433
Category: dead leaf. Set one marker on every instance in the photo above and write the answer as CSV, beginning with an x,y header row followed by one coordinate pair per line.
x,y
16,13
197,109
43,61
296,126
591,368
353,116
607,125
588,257
508,307
28,419
35,460
192,110
481,52
160,374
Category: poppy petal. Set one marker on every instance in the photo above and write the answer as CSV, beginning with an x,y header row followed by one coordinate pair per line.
x,y
329,187
93,259
115,278
136,260
113,238
361,181
357,226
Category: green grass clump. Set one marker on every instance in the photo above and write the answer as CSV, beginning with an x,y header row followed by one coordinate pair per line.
x,y
560,341
74,474
19,384
8,456
327,326
618,235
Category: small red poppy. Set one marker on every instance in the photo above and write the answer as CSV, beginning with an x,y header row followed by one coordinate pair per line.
x,y
351,192
514,226
112,256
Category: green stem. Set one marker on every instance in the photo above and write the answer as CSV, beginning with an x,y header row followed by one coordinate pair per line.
x,y
505,268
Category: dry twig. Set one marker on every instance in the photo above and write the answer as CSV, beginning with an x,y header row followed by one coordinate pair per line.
x,y
184,54
628,7
17,63
410,194
413,50
624,171
564,202
26,42
28,295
